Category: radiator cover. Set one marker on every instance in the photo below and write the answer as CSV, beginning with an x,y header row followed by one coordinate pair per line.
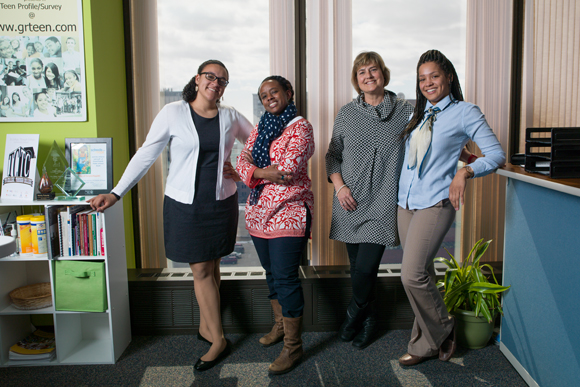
x,y
163,301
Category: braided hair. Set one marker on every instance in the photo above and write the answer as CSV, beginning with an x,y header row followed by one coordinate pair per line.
x,y
446,66
190,90
286,85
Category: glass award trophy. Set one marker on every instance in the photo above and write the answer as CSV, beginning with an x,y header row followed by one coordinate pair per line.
x,y
64,178
69,183
52,169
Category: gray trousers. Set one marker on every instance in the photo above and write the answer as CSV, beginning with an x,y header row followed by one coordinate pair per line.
x,y
421,233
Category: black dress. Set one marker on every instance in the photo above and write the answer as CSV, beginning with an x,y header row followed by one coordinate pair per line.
x,y
205,229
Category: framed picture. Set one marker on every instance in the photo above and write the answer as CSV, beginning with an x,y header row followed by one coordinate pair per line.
x,y
92,160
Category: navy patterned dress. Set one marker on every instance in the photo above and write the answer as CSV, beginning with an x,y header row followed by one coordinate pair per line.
x,y
366,149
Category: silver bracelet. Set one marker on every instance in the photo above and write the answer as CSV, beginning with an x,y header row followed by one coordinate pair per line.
x,y
341,187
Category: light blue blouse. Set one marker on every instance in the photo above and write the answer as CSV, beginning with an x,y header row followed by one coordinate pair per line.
x,y
454,126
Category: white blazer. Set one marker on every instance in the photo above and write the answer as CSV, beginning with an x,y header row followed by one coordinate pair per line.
x,y
174,125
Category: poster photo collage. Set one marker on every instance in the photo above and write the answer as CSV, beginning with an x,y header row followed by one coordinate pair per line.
x,y
40,78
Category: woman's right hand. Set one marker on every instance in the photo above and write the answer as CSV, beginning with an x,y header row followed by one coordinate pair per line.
x,y
273,174
247,155
346,200
102,202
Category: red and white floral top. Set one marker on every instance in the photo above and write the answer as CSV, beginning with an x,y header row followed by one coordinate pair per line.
x,y
281,211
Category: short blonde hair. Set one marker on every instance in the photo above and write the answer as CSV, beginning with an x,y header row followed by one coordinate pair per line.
x,y
366,58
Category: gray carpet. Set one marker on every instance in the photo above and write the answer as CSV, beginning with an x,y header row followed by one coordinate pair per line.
x,y
168,361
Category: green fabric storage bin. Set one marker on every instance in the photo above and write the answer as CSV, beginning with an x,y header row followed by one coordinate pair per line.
x,y
80,286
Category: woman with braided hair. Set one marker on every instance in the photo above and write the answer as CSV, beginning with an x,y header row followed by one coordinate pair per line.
x,y
278,212
431,190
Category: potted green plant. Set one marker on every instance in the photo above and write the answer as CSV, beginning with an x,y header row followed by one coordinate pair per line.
x,y
471,297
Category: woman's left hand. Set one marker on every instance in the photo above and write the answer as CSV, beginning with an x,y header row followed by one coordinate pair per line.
x,y
457,188
230,172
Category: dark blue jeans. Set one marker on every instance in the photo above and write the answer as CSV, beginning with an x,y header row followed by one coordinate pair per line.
x,y
280,257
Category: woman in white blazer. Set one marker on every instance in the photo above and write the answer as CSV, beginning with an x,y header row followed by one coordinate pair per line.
x,y
200,209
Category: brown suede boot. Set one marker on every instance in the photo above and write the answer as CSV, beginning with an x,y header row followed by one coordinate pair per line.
x,y
277,333
292,351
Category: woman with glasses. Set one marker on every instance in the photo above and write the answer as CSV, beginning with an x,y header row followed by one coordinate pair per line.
x,y
200,210
430,192
278,211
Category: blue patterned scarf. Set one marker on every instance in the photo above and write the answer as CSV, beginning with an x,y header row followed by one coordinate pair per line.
x,y
270,128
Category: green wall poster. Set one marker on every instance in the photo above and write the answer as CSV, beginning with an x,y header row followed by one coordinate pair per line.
x,y
42,69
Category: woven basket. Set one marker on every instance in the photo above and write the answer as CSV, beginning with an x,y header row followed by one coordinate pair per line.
x,y
30,297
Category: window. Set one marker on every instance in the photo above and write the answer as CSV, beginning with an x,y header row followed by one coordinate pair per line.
x,y
236,33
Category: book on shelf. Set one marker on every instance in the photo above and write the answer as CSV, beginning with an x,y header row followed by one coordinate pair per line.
x,y
98,232
102,233
39,345
63,218
60,247
54,230
90,233
74,228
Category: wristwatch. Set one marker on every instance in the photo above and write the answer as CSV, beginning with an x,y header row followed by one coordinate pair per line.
x,y
470,172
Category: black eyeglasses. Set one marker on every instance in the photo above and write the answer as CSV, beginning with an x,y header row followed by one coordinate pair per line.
x,y
212,77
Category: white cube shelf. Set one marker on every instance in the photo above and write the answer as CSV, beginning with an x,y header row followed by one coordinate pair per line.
x,y
81,337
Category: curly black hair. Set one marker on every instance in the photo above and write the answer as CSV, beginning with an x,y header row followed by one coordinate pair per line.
x,y
189,91
446,66
286,85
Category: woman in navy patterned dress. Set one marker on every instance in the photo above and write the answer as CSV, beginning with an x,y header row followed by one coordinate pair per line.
x,y
363,162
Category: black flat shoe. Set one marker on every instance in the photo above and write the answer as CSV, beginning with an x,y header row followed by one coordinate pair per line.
x,y
351,325
201,338
368,332
202,365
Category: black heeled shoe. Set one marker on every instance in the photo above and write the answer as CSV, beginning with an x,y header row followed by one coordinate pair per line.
x,y
202,365
201,338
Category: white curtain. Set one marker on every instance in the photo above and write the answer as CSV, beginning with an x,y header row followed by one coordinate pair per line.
x,y
556,66
145,70
329,61
487,84
282,35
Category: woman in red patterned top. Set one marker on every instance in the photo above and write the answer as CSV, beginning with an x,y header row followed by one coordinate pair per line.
x,y
278,212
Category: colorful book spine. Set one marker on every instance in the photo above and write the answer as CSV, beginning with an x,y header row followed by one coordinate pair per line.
x,y
90,233
94,233
102,232
60,236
